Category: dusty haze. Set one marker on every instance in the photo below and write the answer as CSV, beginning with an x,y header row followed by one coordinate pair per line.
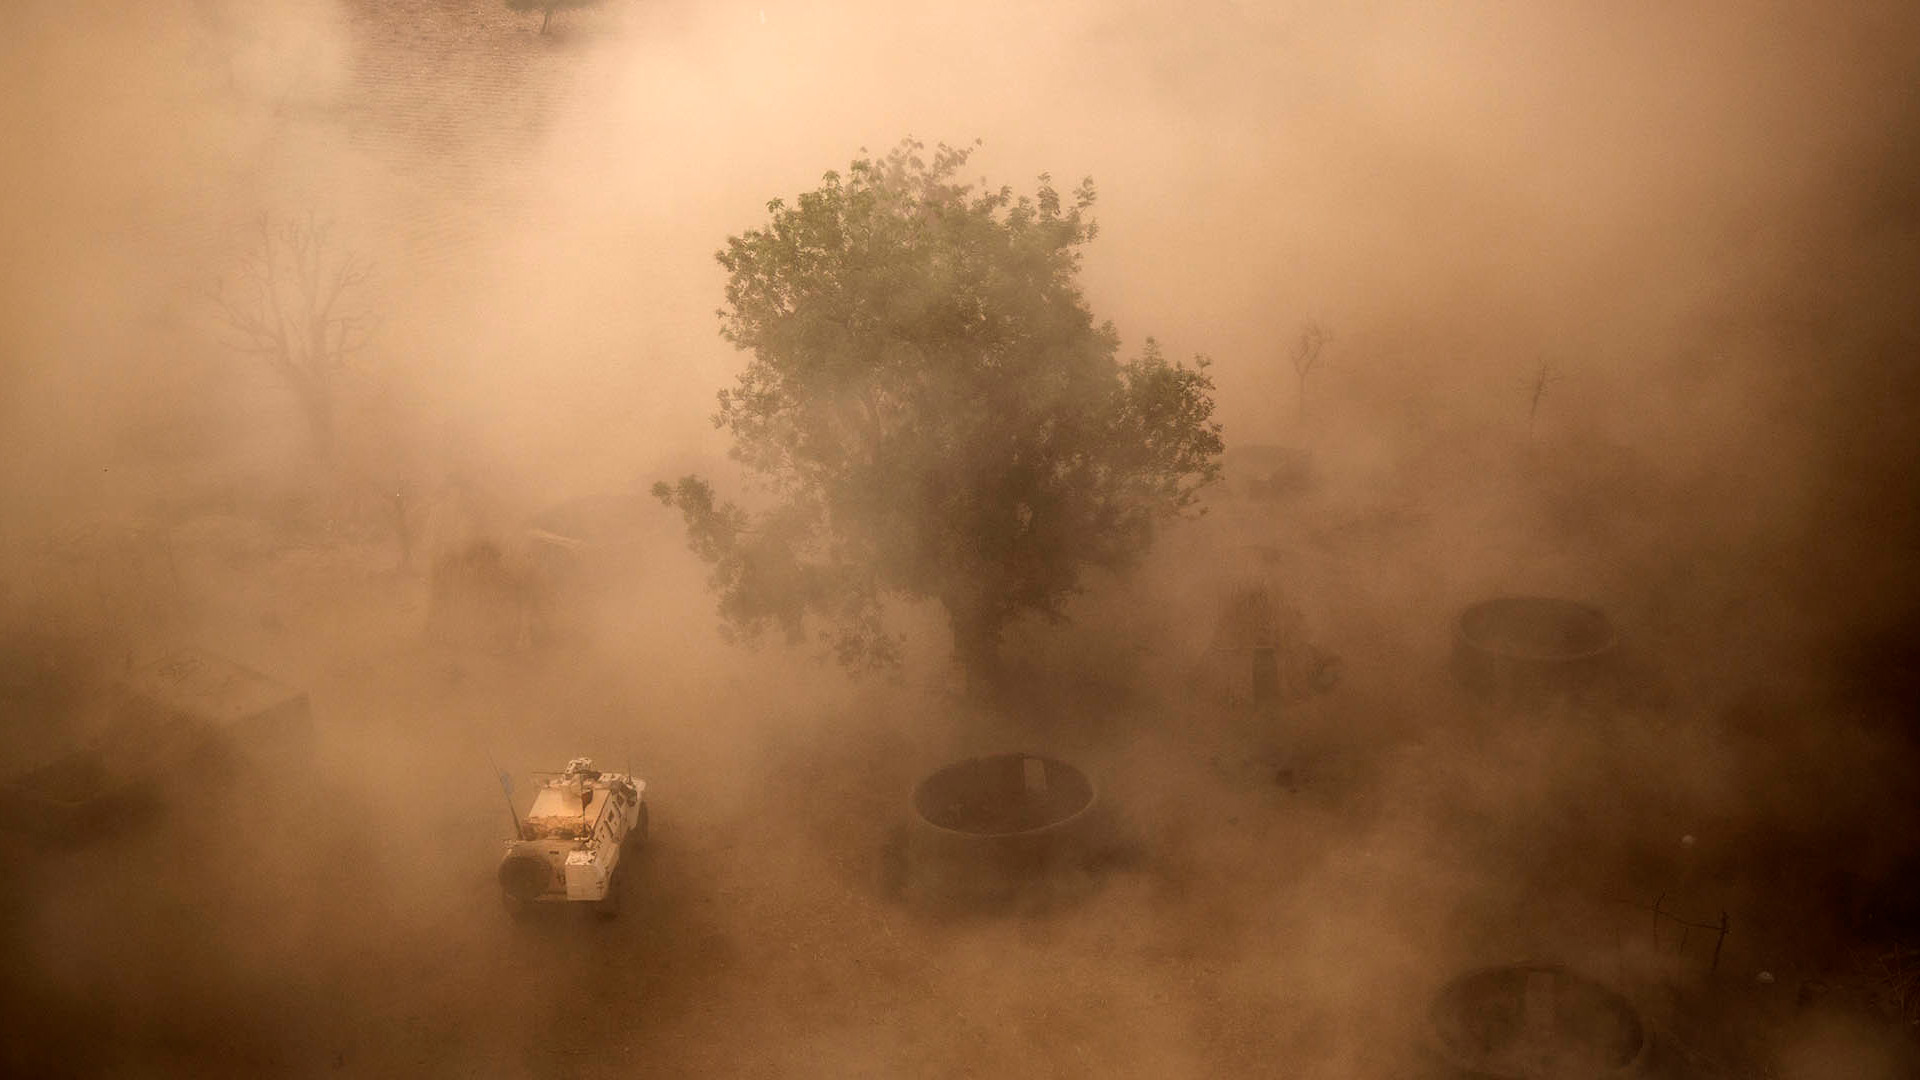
x,y
1698,219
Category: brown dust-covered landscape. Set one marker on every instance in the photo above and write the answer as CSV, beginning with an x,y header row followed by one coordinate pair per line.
x,y
1494,657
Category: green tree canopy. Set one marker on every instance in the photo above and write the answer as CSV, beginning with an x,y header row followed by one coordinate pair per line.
x,y
932,412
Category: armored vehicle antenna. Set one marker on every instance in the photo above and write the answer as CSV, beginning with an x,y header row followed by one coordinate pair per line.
x,y
506,788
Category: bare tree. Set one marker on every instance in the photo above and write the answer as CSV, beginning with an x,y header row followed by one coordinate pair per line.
x,y
1306,356
290,306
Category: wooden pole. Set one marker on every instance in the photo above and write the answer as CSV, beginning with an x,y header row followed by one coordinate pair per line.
x,y
1722,940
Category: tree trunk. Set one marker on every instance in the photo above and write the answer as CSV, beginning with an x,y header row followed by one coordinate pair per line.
x,y
318,405
976,644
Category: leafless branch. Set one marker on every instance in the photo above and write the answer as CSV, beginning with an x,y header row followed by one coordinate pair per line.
x,y
1306,356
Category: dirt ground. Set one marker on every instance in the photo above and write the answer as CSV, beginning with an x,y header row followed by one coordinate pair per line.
x,y
349,919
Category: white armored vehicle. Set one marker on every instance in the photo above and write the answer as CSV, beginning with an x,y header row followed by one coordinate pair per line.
x,y
571,843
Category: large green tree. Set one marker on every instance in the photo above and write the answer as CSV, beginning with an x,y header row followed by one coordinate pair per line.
x,y
931,411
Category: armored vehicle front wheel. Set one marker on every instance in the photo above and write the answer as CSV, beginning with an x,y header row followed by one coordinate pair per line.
x,y
608,906
517,909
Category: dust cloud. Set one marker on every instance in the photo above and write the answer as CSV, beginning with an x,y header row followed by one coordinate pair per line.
x,y
1621,305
